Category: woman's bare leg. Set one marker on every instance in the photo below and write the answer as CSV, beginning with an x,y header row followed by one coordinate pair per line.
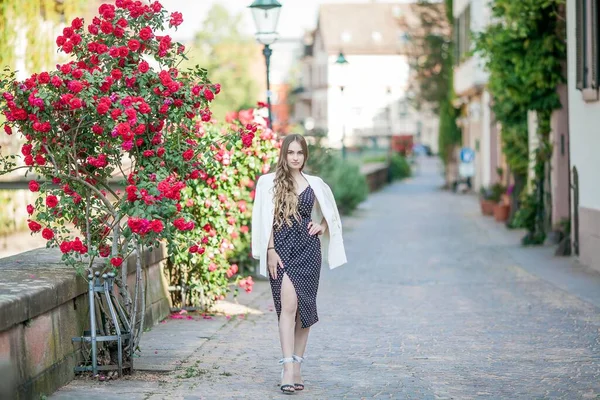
x,y
287,322
300,340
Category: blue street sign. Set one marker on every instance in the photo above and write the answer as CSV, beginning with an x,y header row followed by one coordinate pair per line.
x,y
467,155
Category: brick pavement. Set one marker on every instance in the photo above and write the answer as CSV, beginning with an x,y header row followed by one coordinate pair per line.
x,y
437,302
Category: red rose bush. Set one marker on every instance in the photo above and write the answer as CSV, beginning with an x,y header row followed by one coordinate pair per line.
x,y
111,137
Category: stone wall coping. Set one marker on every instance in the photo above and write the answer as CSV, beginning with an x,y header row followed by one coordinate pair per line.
x,y
36,281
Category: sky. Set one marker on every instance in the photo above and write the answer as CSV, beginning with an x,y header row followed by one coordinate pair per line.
x,y
296,15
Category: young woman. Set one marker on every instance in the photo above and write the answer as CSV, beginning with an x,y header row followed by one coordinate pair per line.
x,y
296,228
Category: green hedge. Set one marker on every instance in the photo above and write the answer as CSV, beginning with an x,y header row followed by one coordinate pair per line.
x,y
399,167
348,185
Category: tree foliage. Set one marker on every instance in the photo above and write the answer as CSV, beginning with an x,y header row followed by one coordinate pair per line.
x,y
431,63
228,56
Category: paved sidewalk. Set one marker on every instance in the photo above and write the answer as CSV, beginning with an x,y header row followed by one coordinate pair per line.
x,y
437,302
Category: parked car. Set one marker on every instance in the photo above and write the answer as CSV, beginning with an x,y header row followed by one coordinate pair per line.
x,y
422,150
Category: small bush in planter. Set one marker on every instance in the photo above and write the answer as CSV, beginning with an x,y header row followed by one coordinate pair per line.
x,y
348,185
399,167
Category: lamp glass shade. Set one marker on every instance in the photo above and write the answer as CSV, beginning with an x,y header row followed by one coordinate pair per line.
x,y
266,17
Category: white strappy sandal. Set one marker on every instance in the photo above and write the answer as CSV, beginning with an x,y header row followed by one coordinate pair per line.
x,y
287,388
298,386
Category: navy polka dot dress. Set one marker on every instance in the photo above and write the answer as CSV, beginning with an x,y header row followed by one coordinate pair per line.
x,y
300,254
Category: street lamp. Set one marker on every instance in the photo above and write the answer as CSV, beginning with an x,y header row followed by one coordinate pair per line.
x,y
266,16
342,65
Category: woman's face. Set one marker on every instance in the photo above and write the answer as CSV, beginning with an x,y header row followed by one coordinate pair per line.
x,y
295,156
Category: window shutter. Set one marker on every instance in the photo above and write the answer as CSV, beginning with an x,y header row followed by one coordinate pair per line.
x,y
593,62
580,30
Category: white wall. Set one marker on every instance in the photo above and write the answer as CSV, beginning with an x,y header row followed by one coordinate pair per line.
x,y
584,128
372,83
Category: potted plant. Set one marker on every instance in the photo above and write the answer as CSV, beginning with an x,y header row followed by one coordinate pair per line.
x,y
485,201
502,207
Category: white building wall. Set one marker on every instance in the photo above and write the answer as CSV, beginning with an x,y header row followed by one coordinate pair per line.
x,y
374,91
584,120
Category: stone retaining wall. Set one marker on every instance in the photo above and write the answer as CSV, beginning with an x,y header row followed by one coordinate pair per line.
x,y
377,175
43,304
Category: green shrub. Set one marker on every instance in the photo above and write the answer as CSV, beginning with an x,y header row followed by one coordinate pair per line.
x,y
348,185
399,167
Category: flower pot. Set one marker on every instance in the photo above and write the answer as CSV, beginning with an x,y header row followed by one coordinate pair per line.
x,y
501,212
487,207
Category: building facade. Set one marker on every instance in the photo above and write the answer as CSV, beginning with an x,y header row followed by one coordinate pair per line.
x,y
364,102
584,120
480,131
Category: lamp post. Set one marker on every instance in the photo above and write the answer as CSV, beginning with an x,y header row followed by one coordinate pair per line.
x,y
342,65
266,16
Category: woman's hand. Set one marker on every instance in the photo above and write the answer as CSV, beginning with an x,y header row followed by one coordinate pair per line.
x,y
314,229
273,261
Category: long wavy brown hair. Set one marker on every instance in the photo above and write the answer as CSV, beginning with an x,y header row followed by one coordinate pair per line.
x,y
285,197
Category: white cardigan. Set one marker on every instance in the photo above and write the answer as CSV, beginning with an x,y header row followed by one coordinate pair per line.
x,y
263,212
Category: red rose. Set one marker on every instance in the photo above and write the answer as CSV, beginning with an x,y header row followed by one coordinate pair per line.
x,y
144,67
188,154
68,32
160,151
40,160
146,33
66,247
97,129
156,6
144,108
176,19
102,108
116,113
8,130
76,39
208,94
67,47
51,201
47,234
156,225
247,139
116,73
133,45
61,40
30,209
123,51
193,249
93,29
34,186
34,226
77,23
106,27
101,48
122,22
77,73
116,261
104,251
44,77
75,86
75,103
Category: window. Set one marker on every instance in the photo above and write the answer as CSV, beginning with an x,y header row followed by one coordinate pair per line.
x,y
586,37
462,35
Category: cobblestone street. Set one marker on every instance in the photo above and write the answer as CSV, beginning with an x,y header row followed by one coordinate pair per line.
x,y
437,302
